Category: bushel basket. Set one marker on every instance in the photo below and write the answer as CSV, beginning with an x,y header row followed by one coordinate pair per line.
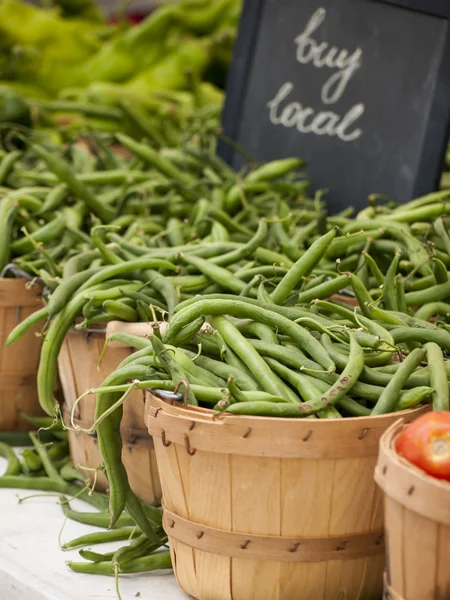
x,y
268,508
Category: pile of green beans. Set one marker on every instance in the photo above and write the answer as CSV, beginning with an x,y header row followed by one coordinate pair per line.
x,y
245,268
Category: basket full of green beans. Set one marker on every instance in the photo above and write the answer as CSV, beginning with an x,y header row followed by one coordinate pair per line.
x,y
263,502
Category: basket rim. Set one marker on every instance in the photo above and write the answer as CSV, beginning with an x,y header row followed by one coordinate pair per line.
x,y
159,394
199,428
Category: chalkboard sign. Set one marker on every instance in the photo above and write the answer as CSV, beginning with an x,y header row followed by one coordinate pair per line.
x,y
358,88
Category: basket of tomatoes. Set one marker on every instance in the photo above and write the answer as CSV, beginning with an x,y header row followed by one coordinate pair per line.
x,y
413,470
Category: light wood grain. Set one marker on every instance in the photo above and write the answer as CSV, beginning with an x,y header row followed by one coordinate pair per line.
x,y
79,372
274,484
417,521
19,362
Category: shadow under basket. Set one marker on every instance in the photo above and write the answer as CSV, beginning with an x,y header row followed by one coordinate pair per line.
x,y
78,373
417,522
269,508
19,362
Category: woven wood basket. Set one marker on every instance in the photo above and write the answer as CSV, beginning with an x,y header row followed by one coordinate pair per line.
x,y
271,509
417,521
78,372
19,362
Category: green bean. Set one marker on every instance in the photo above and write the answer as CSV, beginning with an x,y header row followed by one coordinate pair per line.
x,y
272,258
266,409
65,175
229,356
240,396
149,300
241,309
435,293
422,213
427,311
400,294
421,284
25,325
439,271
159,162
98,519
438,377
207,378
274,169
411,398
13,467
263,295
340,245
120,310
110,443
414,334
136,549
368,375
423,201
235,256
389,293
8,211
54,199
160,560
95,557
388,399
259,330
229,223
347,404
101,537
145,124
7,163
244,381
47,372
164,287
171,366
258,367
108,254
66,289
324,290
223,277
46,233
78,262
302,267
374,268
28,203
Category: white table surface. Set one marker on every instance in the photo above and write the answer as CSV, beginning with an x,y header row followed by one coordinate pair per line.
x,y
32,565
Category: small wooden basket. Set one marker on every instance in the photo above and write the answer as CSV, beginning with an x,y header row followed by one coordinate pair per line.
x,y
19,362
269,508
78,372
417,522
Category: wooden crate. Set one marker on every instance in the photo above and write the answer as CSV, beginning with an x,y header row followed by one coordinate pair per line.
x,y
268,508
19,362
78,372
417,522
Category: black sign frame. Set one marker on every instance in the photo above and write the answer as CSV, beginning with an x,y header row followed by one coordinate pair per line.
x,y
434,146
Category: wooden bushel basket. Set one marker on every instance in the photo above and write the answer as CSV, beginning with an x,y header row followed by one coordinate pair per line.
x,y
78,373
269,508
19,362
417,522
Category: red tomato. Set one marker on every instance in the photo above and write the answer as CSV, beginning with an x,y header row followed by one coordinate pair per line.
x,y
426,444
